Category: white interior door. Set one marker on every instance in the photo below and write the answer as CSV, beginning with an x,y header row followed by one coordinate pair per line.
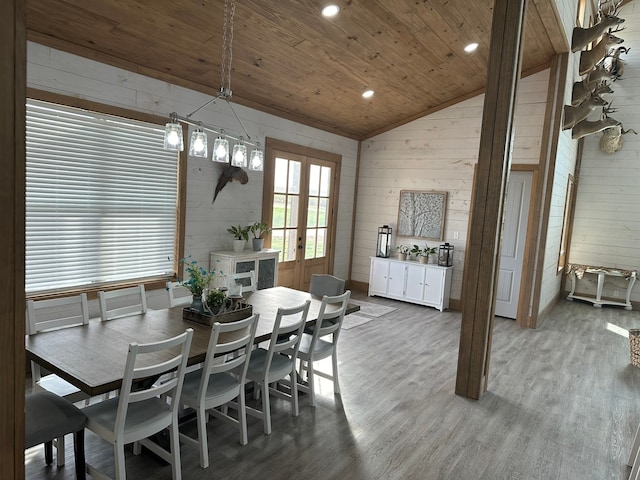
x,y
514,233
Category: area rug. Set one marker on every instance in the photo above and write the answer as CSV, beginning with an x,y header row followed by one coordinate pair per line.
x,y
353,320
372,309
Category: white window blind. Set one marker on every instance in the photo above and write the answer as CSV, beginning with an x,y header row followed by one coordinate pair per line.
x,y
101,199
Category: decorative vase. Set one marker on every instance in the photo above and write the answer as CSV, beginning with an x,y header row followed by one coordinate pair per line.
x,y
401,256
238,245
196,304
258,243
424,258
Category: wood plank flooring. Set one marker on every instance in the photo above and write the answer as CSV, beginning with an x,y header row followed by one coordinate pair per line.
x,y
563,403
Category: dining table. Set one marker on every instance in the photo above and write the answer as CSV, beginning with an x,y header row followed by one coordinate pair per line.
x,y
92,357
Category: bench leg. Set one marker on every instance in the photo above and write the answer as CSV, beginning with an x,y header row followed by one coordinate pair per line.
x,y
48,452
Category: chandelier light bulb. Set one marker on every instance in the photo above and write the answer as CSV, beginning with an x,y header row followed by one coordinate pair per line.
x,y
173,137
198,145
239,157
256,162
221,149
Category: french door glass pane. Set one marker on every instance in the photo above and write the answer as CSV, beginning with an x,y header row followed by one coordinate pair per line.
x,y
321,243
314,180
294,178
280,175
277,241
325,181
322,212
310,247
292,211
279,202
312,212
289,250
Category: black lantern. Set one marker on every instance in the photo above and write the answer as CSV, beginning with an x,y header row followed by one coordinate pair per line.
x,y
384,241
445,255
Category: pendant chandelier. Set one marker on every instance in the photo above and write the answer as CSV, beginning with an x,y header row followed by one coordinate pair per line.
x,y
221,152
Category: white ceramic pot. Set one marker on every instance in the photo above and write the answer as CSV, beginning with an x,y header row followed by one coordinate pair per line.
x,y
238,245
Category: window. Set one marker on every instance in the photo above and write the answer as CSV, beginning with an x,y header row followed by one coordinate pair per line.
x,y
101,199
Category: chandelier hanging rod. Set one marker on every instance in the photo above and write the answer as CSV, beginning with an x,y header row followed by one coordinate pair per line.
x,y
218,131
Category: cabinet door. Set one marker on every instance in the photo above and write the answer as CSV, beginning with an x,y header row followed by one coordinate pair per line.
x,y
433,286
266,273
397,274
379,276
415,282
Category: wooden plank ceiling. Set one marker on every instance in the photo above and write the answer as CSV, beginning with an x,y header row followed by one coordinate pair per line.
x,y
290,61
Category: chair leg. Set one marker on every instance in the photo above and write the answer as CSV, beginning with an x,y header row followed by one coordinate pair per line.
x,y
242,417
48,452
202,438
334,361
174,440
60,451
311,382
78,452
118,453
266,408
294,392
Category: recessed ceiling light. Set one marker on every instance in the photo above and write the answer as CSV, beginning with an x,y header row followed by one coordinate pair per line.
x,y
367,94
330,11
471,47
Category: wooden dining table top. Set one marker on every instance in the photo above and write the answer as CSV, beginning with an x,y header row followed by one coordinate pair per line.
x,y
92,357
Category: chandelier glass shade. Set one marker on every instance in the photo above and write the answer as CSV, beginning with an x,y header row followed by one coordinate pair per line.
x,y
256,162
198,144
173,136
221,149
239,157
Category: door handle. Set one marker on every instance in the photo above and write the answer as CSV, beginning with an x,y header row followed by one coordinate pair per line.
x,y
299,247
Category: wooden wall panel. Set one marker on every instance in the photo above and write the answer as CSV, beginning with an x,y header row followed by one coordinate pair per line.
x,y
12,303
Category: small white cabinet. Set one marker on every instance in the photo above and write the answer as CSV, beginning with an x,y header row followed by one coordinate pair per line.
x,y
264,263
413,282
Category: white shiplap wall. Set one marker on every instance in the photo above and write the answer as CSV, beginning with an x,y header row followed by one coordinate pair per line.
x,y
52,70
437,152
606,229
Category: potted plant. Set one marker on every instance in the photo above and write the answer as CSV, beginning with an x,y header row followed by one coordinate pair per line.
x,y
259,231
214,301
422,254
240,236
199,281
403,251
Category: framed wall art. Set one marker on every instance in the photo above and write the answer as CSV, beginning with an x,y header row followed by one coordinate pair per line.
x,y
421,214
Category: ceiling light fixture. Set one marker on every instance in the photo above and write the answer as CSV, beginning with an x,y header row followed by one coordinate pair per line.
x,y
198,145
367,94
330,11
471,47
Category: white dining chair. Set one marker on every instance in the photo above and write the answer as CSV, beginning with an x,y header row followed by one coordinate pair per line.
x,y
181,300
221,381
278,361
51,314
323,343
126,301
141,409
247,281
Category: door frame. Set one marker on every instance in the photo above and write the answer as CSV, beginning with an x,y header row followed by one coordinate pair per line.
x,y
271,145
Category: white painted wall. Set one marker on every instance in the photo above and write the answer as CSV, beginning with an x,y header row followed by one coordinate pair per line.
x,y
437,152
206,223
606,229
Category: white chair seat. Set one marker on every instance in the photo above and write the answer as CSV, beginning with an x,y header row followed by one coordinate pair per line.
x,y
322,348
222,388
280,365
143,418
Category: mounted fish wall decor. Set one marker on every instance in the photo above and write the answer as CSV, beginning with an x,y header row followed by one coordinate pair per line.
x,y
229,174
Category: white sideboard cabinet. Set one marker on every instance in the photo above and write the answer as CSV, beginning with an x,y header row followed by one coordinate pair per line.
x,y
413,282
264,263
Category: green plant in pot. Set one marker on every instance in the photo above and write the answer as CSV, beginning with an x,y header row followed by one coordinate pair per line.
x,y
403,251
199,281
422,253
259,230
215,300
240,236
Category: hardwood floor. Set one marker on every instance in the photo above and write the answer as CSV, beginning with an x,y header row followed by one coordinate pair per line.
x,y
563,403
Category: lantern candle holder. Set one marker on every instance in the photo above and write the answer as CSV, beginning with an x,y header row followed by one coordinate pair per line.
x,y
445,255
384,241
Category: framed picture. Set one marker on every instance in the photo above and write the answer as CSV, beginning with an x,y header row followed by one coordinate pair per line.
x,y
421,214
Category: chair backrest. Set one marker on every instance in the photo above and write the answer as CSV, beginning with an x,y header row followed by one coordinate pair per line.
x,y
153,360
324,284
57,313
126,301
181,300
287,332
246,279
330,318
229,337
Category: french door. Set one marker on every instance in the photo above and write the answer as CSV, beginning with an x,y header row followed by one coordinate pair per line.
x,y
299,202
